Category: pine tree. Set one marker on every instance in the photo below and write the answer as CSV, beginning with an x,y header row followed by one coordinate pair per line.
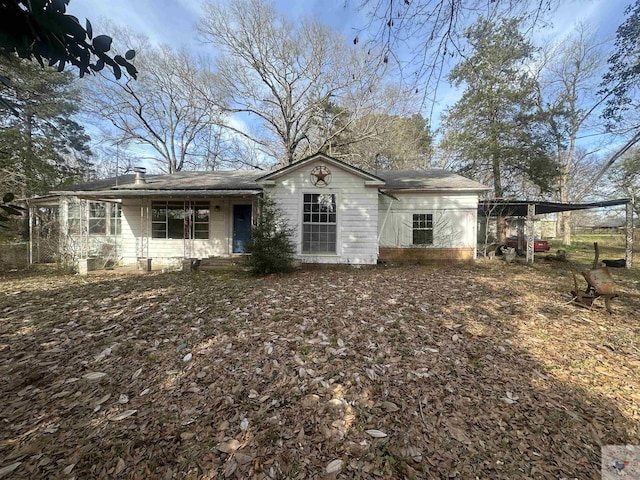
x,y
494,127
41,143
270,248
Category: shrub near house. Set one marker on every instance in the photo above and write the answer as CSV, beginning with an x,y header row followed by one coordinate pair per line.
x,y
270,247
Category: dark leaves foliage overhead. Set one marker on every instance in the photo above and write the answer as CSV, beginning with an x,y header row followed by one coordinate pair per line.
x,y
41,30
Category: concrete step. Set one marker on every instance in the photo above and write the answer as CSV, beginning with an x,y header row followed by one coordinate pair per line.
x,y
216,263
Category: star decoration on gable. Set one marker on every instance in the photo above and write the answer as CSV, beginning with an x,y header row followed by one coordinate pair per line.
x,y
321,176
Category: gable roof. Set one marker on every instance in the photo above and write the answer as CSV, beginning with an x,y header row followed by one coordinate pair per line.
x,y
428,180
241,182
368,176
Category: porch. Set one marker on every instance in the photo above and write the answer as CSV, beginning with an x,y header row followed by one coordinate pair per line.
x,y
169,230
90,233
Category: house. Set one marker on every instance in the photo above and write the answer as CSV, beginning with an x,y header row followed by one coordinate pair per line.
x,y
341,214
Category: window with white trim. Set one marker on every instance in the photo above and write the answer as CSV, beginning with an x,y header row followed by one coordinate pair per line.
x,y
97,218
422,229
93,218
319,223
180,220
201,214
115,219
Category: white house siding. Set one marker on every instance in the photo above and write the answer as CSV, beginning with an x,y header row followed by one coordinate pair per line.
x,y
357,206
137,241
454,219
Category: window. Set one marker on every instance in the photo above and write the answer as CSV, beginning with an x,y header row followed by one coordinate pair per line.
x,y
159,220
94,218
73,223
115,219
97,218
179,220
201,221
319,225
422,229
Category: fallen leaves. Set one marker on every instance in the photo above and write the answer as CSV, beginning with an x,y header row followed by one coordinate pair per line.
x,y
375,433
334,466
229,446
122,416
119,467
372,373
510,399
4,471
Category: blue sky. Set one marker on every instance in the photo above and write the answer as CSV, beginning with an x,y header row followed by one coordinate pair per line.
x,y
174,21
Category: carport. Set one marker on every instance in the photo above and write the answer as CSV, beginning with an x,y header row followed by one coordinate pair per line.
x,y
529,208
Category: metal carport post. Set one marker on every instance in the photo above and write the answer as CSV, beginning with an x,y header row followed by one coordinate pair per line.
x,y
531,211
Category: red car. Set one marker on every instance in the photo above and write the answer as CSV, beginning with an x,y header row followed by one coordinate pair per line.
x,y
538,244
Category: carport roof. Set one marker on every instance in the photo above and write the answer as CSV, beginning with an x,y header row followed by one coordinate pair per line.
x,y
518,208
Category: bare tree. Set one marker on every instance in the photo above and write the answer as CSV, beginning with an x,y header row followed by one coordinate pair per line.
x,y
399,142
287,75
625,178
568,96
170,109
420,36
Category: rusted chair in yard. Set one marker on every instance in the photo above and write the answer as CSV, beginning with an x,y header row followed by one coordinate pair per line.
x,y
600,284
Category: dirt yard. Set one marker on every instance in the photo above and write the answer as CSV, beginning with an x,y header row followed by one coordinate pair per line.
x,y
457,371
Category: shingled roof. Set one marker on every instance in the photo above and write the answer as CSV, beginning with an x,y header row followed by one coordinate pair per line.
x,y
432,179
236,180
243,181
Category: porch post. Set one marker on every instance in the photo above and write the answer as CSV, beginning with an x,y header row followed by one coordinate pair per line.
x,y
531,211
147,227
84,226
628,252
31,235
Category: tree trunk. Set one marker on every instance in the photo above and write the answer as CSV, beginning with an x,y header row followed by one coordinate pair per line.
x,y
565,218
501,223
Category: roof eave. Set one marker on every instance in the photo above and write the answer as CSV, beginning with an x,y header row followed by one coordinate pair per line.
x,y
437,190
159,192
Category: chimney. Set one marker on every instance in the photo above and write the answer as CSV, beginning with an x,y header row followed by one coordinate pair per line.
x,y
140,171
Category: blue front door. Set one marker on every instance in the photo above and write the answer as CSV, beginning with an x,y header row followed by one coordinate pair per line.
x,y
241,227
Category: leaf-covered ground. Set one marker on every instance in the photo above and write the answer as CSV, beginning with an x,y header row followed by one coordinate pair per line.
x,y
456,371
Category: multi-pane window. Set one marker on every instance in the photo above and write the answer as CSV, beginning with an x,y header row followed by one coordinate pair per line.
x,y
97,218
115,219
94,218
167,220
179,220
422,229
319,226
201,221
74,216
159,220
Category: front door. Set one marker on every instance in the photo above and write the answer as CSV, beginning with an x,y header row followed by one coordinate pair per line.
x,y
241,227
